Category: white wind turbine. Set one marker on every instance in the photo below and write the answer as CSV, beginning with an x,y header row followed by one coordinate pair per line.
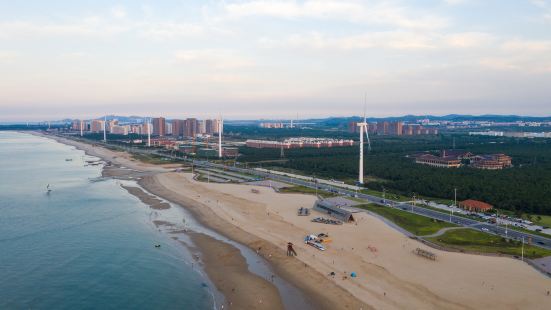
x,y
104,128
148,131
220,131
363,128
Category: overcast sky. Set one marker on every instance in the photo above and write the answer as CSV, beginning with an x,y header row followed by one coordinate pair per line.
x,y
273,59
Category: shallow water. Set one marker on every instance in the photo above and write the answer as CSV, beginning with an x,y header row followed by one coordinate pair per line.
x,y
86,244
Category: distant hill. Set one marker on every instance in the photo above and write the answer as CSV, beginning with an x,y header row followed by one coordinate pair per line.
x,y
339,121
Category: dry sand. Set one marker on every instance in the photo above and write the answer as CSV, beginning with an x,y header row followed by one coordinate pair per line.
x,y
389,275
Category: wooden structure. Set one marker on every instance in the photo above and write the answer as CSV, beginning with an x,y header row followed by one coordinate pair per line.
x,y
425,254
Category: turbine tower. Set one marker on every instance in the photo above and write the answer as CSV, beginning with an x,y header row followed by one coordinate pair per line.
x,y
104,128
81,125
149,132
220,131
363,128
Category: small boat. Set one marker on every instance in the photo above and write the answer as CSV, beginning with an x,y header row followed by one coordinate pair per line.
x,y
157,245
48,189
68,159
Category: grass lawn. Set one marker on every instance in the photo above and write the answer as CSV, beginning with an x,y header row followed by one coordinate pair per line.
x,y
416,224
544,221
152,159
306,190
388,195
477,241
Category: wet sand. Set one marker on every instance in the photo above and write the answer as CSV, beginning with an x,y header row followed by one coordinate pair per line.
x,y
227,268
152,201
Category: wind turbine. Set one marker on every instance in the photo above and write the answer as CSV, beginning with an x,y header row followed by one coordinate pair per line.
x,y
104,128
149,132
363,128
220,131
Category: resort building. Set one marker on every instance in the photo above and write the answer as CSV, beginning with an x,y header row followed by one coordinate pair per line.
x,y
491,162
438,161
475,206
456,158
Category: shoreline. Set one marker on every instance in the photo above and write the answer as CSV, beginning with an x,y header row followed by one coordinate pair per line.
x,y
391,277
208,246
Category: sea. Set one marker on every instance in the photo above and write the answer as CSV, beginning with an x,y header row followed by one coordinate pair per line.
x,y
87,244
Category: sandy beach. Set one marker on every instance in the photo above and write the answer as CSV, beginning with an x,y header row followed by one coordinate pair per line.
x,y
390,276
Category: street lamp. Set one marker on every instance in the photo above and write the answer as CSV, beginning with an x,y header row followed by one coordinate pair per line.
x,y
522,249
454,203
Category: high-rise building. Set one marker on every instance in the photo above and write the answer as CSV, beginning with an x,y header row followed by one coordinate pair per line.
x,y
120,130
97,126
190,127
111,124
178,127
395,128
211,126
159,126
353,127
382,128
201,127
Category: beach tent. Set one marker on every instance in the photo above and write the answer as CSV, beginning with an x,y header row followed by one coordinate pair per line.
x,y
329,208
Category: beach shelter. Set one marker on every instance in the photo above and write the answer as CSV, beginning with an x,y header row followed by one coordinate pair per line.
x,y
329,208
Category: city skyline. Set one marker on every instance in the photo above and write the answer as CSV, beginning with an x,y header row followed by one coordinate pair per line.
x,y
274,59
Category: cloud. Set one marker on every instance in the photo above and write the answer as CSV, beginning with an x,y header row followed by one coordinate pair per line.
x,y
118,12
91,26
468,39
455,2
400,40
7,56
100,27
170,30
533,46
382,13
545,6
213,58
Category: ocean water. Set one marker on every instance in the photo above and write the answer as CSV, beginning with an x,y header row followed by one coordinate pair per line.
x,y
86,245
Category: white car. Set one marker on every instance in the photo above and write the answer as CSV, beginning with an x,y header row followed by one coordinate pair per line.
x,y
485,229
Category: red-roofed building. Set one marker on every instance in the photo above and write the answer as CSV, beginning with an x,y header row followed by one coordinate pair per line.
x,y
475,206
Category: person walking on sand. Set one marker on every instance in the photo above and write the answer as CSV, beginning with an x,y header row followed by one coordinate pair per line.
x,y
290,250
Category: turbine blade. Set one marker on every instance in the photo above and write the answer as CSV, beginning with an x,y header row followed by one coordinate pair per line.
x,y
368,141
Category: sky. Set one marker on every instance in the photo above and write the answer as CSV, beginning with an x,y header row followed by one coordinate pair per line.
x,y
273,59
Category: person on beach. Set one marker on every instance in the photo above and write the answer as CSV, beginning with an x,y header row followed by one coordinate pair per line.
x,y
290,250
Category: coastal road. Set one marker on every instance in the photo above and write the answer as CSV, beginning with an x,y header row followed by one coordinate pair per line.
x,y
536,240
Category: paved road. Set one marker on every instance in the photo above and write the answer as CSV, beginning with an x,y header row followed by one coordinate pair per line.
x,y
536,240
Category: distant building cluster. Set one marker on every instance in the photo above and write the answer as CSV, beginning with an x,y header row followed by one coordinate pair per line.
x,y
301,142
273,125
457,158
393,128
511,134
161,127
